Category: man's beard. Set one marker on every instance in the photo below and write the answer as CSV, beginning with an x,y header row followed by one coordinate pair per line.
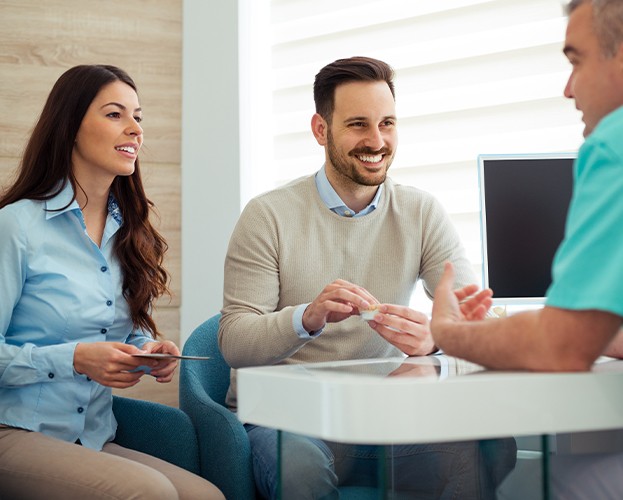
x,y
346,166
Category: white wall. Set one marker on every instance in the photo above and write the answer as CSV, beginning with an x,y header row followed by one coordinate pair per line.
x,y
210,153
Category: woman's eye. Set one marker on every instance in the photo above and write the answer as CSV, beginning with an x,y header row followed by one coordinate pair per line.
x,y
114,114
138,119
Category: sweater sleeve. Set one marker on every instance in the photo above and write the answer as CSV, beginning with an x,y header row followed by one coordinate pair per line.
x,y
252,330
441,243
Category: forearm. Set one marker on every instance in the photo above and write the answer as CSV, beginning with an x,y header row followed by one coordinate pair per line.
x,y
28,364
255,328
250,339
551,339
493,343
251,331
615,348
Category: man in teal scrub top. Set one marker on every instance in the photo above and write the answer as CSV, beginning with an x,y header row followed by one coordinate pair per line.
x,y
584,309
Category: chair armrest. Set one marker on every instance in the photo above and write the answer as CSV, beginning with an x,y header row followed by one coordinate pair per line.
x,y
156,429
224,448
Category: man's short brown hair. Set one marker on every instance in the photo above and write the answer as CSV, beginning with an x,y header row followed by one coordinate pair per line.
x,y
354,69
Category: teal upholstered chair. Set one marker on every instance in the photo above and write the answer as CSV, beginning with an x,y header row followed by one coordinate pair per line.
x,y
223,443
224,450
162,431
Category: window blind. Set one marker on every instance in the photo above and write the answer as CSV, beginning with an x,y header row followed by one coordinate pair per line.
x,y
472,77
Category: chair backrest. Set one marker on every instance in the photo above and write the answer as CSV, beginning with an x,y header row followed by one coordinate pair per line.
x,y
213,374
224,445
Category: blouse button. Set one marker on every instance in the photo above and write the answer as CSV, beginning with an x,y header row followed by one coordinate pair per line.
x,y
80,409
109,302
50,375
103,330
103,269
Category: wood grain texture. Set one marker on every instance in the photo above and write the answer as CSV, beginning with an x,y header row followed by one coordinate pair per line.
x,y
163,186
41,40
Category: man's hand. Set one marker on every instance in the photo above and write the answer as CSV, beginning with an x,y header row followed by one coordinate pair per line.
x,y
410,331
337,301
404,328
450,306
473,306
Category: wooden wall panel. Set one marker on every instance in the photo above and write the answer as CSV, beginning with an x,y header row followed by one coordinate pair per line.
x,y
41,40
163,185
7,170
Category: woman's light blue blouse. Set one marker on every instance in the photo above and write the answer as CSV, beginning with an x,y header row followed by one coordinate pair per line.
x,y
57,288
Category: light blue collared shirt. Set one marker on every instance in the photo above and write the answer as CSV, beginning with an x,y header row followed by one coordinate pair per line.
x,y
334,203
58,288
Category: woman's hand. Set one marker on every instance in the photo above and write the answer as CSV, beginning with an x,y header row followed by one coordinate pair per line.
x,y
110,363
165,368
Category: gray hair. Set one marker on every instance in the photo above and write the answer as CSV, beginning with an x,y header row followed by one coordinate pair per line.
x,y
607,22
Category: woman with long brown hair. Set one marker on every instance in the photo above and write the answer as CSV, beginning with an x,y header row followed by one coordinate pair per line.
x,y
80,267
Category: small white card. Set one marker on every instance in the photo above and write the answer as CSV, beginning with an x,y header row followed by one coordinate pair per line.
x,y
368,314
162,355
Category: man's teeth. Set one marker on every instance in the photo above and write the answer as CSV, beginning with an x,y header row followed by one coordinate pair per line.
x,y
128,149
370,159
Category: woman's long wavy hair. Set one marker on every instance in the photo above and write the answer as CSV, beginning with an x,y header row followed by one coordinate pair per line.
x,y
46,168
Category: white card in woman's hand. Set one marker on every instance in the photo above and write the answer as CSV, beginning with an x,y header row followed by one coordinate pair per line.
x,y
164,355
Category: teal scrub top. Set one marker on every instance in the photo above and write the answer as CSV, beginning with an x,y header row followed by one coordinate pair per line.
x,y
587,271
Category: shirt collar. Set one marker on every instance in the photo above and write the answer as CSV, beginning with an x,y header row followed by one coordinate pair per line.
x,y
113,209
60,204
333,201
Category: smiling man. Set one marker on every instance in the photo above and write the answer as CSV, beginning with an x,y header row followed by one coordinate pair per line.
x,y
306,258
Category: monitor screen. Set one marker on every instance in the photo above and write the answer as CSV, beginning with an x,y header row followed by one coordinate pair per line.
x,y
523,208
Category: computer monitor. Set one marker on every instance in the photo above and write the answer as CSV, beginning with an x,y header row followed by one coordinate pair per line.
x,y
523,208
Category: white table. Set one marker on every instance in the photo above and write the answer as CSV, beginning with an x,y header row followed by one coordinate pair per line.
x,y
359,402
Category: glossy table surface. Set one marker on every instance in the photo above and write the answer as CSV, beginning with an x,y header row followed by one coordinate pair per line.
x,y
427,399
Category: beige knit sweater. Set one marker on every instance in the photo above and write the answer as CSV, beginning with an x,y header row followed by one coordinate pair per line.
x,y
287,246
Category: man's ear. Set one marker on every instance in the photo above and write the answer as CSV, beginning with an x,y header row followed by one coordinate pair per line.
x,y
619,69
619,56
320,129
